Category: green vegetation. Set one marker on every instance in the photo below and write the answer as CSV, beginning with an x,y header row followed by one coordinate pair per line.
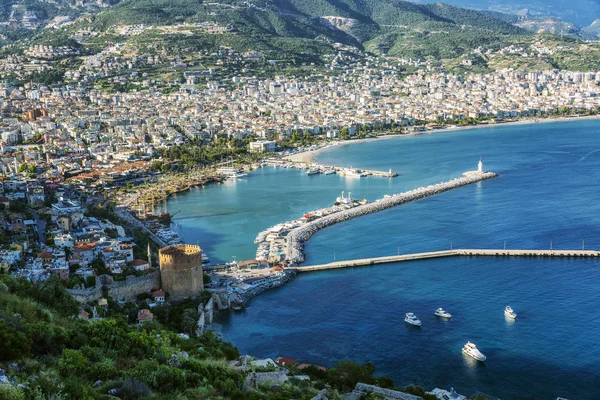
x,y
198,154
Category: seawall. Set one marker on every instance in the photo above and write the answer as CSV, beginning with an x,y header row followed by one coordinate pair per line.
x,y
297,237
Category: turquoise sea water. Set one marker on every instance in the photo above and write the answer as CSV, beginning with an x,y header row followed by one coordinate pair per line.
x,y
547,191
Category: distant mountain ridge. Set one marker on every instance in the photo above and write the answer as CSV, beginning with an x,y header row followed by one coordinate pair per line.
x,y
578,12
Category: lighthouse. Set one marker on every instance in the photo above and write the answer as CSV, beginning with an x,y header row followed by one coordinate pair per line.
x,y
480,166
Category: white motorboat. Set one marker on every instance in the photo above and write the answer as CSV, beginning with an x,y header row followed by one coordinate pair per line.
x,y
441,313
472,351
355,173
412,319
509,313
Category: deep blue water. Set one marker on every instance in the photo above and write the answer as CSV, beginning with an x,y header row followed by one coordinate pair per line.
x,y
547,191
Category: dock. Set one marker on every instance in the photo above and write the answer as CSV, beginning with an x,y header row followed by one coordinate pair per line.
x,y
350,172
364,262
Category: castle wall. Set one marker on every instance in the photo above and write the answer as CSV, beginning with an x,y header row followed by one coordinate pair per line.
x,y
127,289
181,270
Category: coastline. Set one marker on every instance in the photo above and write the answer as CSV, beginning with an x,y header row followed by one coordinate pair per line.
x,y
309,156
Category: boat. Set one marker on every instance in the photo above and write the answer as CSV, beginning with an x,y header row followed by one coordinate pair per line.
x,y
328,172
471,350
313,171
205,260
509,313
441,313
412,319
355,173
230,172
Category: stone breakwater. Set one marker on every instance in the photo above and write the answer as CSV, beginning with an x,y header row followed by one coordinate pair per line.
x,y
298,236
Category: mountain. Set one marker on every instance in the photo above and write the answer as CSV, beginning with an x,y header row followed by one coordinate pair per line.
x,y
593,28
391,27
578,12
545,25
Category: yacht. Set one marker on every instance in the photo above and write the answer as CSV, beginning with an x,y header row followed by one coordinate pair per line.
x,y
412,319
509,313
313,171
441,313
328,172
354,173
230,172
471,350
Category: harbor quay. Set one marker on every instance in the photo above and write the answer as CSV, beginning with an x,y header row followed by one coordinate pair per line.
x,y
449,253
296,238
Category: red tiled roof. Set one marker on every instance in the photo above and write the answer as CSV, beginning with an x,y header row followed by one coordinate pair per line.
x,y
282,361
144,314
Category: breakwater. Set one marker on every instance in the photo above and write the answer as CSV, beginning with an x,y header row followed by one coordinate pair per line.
x,y
363,262
297,237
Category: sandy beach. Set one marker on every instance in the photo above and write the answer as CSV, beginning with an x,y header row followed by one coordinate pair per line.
x,y
308,157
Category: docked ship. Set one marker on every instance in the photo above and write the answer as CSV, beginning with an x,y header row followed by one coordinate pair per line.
x,y
355,173
412,319
471,350
230,172
443,314
313,171
509,313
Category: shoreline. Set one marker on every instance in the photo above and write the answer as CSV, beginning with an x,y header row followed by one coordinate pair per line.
x,y
309,156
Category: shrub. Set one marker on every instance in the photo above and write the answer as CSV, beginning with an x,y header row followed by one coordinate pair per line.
x,y
7,392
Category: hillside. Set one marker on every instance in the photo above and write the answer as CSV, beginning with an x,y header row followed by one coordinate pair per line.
x,y
395,28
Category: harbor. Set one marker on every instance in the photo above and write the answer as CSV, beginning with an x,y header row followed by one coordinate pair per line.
x,y
310,315
296,237
284,242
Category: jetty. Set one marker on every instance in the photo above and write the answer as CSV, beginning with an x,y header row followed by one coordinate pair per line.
x,y
296,237
363,262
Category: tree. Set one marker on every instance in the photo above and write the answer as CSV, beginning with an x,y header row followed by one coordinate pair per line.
x,y
15,344
189,320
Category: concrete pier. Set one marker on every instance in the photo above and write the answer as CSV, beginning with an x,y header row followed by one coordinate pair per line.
x,y
296,237
450,253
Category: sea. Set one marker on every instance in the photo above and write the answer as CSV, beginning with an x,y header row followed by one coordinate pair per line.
x,y
546,196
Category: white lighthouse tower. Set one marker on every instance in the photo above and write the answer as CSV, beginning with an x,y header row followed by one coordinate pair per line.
x,y
480,166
